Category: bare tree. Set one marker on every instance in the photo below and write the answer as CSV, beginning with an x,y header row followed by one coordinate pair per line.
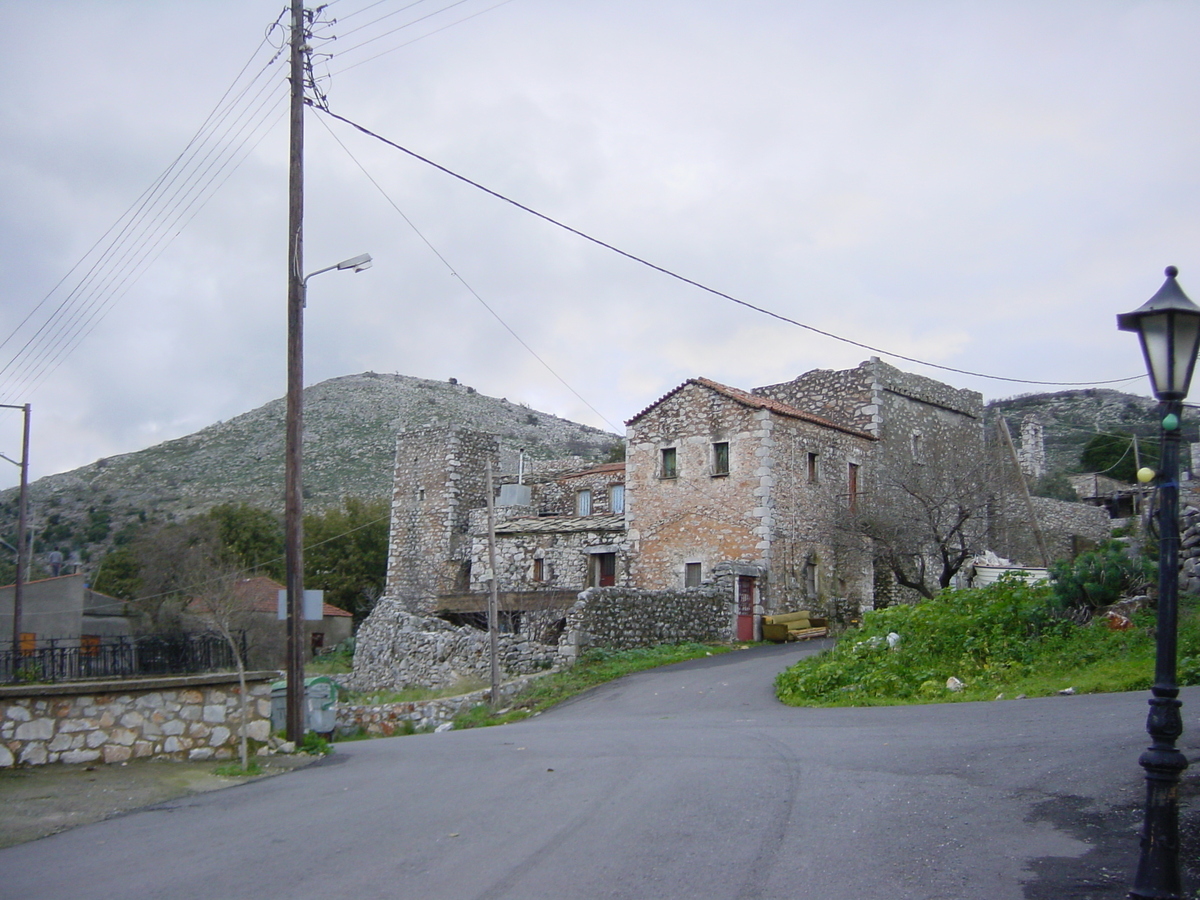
x,y
925,520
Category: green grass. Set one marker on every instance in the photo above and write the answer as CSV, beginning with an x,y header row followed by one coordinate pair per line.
x,y
1006,639
235,770
411,694
594,668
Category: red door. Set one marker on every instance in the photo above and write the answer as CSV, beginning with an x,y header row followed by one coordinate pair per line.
x,y
745,612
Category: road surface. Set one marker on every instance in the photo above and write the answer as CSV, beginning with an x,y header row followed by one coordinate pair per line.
x,y
685,782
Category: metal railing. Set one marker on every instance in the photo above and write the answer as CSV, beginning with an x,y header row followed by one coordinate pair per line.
x,y
71,659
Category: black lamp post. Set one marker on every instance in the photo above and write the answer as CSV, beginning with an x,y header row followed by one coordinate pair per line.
x,y
1168,325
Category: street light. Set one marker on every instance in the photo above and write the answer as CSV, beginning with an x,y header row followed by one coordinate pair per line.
x,y
293,514
1168,325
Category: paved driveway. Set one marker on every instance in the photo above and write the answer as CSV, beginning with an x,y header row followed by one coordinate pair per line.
x,y
685,782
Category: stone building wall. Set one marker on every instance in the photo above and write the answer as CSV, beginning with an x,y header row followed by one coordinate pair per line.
x,y
440,476
193,717
558,496
777,509
563,544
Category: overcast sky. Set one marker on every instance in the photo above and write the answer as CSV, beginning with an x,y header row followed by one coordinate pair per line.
x,y
981,185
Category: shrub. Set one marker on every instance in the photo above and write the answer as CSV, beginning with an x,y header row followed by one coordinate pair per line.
x,y
1100,577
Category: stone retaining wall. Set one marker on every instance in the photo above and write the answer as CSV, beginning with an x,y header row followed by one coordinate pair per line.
x,y
622,618
425,715
193,717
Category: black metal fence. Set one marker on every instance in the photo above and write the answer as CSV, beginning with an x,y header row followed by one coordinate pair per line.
x,y
71,659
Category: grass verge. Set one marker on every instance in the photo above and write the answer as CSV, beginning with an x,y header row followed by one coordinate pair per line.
x,y
594,667
1000,641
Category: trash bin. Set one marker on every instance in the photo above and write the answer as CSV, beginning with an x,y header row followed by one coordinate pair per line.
x,y
320,704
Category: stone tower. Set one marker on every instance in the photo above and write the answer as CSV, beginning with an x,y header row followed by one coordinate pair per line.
x,y
440,476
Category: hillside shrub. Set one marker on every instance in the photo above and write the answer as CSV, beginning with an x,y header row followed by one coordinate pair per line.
x,y
1100,577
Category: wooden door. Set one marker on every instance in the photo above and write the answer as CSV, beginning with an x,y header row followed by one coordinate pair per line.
x,y
745,610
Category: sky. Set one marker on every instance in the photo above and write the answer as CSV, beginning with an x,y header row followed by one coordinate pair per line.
x,y
978,185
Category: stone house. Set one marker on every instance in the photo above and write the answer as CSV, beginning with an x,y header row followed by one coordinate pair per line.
x,y
730,486
64,609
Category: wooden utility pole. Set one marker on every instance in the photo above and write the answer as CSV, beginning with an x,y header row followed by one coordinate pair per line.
x,y
22,547
293,454
493,592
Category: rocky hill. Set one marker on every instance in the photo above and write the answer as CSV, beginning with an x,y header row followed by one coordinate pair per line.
x,y
1071,418
349,444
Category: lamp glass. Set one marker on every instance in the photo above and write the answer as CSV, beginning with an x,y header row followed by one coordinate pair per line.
x,y
1186,338
1169,342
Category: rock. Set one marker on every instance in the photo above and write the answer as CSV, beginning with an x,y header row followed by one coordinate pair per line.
x,y
953,684
6,757
893,640
445,726
1066,692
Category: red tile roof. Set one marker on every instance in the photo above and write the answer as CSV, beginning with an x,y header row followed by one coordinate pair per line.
x,y
755,401
261,594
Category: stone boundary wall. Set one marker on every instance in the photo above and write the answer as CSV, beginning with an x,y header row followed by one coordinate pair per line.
x,y
193,717
622,618
425,715
395,648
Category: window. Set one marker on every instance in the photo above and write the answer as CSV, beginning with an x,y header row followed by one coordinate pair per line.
x,y
318,641
691,575
813,470
810,579
420,495
669,469
616,499
539,570
583,503
918,448
852,486
720,458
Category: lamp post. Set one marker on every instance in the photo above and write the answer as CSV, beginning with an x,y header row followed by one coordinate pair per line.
x,y
1168,325
293,515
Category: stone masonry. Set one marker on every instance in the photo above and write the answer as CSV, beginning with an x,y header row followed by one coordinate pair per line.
x,y
192,717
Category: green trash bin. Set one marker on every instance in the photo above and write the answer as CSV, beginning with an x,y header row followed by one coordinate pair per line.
x,y
320,704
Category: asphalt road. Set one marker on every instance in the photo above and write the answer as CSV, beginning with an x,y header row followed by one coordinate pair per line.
x,y
685,782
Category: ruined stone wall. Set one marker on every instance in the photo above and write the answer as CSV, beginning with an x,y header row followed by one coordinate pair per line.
x,y
440,476
1068,529
395,649
193,717
623,618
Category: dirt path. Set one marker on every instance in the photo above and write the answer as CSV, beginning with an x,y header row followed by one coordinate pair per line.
x,y
41,800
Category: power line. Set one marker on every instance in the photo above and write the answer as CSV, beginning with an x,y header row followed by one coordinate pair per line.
x,y
711,290
454,272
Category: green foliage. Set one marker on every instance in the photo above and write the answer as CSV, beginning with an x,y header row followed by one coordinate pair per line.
x,y
1055,487
346,554
99,524
1100,577
338,661
235,770
615,453
1113,455
314,744
119,575
253,536
1008,638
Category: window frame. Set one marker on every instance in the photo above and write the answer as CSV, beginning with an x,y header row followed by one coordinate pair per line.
x,y
583,502
670,470
691,569
814,467
615,506
720,459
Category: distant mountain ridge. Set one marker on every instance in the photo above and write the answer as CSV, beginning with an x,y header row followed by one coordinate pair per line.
x,y
1070,418
350,428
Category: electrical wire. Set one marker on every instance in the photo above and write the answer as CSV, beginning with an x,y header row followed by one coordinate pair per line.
x,y
454,272
701,286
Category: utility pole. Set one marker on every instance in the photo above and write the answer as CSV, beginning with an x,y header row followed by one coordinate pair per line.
x,y
493,592
293,454
22,525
